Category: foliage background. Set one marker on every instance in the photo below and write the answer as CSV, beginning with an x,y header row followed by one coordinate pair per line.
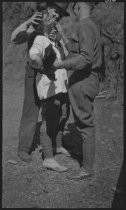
x,y
108,16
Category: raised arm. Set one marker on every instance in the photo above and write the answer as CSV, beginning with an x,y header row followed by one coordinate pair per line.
x,y
22,32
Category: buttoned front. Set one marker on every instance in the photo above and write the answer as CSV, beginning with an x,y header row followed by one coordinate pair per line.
x,y
86,42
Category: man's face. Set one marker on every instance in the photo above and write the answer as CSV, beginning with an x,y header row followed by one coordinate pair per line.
x,y
53,34
52,13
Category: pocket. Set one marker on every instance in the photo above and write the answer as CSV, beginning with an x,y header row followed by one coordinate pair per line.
x,y
74,45
90,87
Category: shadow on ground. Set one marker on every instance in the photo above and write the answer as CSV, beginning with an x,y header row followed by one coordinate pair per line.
x,y
30,185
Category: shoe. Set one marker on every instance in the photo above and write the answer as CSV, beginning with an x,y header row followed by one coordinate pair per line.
x,y
24,156
80,175
63,151
52,164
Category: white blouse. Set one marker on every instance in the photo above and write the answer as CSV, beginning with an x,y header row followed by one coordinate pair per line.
x,y
46,87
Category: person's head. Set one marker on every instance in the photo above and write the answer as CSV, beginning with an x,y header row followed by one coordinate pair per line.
x,y
58,8
52,35
82,9
51,11
57,11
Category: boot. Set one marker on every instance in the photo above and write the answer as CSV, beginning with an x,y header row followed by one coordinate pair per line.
x,y
88,156
79,175
88,147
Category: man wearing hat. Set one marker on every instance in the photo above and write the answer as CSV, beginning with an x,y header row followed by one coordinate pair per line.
x,y
26,32
83,66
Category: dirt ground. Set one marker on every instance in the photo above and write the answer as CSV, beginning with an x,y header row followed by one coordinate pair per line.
x,y
30,185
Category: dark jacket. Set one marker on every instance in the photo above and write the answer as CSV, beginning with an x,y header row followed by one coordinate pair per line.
x,y
85,47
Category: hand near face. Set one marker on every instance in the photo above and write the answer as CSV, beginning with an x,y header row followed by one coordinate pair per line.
x,y
52,13
35,19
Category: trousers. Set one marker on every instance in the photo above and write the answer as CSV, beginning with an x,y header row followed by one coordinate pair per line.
x,y
55,112
30,112
83,87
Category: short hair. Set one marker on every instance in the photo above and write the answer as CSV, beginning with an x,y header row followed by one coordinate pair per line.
x,y
90,4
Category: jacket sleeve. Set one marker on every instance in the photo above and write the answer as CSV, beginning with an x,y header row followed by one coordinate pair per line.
x,y
86,43
21,34
86,50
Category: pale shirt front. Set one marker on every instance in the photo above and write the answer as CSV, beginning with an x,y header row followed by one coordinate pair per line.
x,y
46,87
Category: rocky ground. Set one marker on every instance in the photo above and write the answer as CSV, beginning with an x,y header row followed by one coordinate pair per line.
x,y
30,185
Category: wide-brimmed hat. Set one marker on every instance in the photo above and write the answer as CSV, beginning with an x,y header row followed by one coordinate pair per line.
x,y
61,7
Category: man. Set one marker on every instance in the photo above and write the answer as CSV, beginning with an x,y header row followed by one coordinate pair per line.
x,y
83,67
26,32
